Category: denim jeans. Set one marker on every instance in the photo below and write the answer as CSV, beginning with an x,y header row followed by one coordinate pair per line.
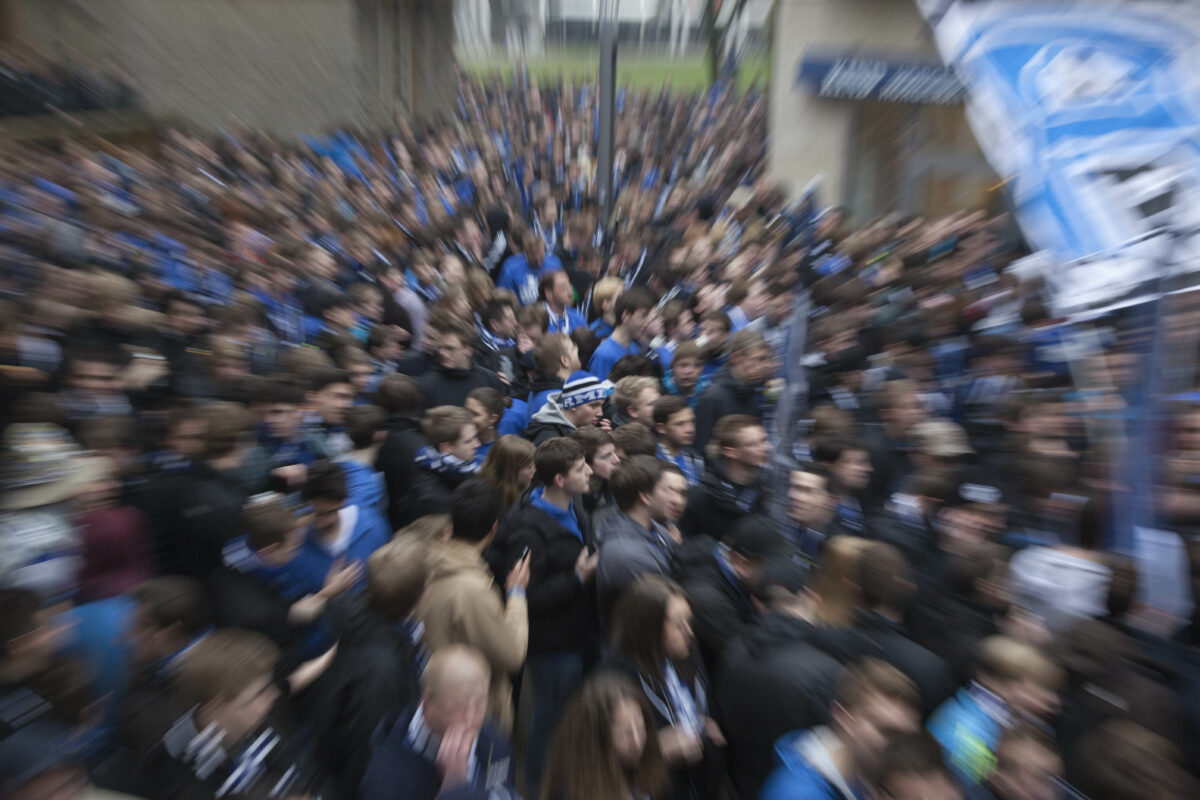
x,y
553,677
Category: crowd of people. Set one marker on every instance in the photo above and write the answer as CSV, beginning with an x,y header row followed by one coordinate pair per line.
x,y
34,83
400,468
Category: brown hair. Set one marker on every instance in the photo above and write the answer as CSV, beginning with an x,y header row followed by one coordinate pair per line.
x,y
668,406
869,678
555,457
591,439
634,477
444,424
267,521
1120,760
836,579
224,664
688,351
396,578
227,422
884,577
635,439
583,765
399,394
638,619
548,353
729,428
506,457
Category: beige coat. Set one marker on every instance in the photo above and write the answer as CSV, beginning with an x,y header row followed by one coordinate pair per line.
x,y
462,606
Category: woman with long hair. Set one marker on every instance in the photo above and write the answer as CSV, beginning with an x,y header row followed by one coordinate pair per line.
x,y
605,747
653,643
509,467
486,406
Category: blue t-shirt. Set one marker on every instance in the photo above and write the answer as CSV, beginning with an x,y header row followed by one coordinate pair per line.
x,y
521,279
608,353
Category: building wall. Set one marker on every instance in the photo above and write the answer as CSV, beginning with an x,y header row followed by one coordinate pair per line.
x,y
813,136
288,66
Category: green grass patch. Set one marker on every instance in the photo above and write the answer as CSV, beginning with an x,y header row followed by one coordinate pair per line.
x,y
642,70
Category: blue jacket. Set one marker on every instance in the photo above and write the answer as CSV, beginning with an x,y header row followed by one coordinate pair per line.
x,y
968,726
364,486
609,352
402,765
306,573
805,772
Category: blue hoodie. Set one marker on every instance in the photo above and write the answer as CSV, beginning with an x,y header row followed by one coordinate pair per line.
x,y
806,772
307,571
563,516
364,486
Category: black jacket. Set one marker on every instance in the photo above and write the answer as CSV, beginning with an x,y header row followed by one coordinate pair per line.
x,y
192,515
950,626
563,613
893,644
175,766
722,608
716,503
770,681
240,600
441,386
396,462
373,674
432,492
724,396
890,467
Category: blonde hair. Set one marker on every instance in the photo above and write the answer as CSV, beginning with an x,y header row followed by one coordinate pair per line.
x,y
629,388
607,289
1007,659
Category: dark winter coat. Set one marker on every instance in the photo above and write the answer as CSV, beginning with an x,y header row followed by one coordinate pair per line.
x,y
725,396
441,386
401,770
373,674
562,611
192,515
770,681
396,462
722,608
716,503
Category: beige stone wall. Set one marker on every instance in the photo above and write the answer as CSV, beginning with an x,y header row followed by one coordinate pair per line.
x,y
287,66
811,135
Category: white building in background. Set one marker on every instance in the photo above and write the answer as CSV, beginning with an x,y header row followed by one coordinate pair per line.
x,y
528,26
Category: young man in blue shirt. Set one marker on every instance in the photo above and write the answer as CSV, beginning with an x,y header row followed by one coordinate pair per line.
x,y
340,532
520,272
634,312
557,294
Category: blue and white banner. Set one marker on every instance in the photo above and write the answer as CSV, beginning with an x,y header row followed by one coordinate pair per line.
x,y
1091,109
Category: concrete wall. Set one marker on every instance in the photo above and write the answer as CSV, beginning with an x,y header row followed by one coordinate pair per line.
x,y
811,135
288,66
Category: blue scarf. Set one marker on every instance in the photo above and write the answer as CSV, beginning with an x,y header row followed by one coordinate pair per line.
x,y
491,340
445,463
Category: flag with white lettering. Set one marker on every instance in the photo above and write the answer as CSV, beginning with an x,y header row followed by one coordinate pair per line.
x,y
1091,110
